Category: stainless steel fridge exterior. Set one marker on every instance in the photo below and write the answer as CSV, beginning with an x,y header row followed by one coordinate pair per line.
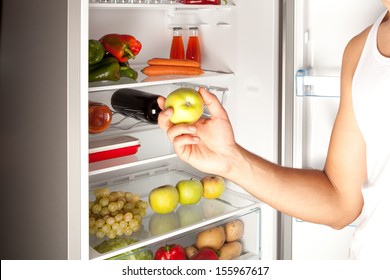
x,y
34,142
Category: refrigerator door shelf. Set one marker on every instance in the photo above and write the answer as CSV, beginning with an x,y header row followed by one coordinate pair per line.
x,y
309,83
183,220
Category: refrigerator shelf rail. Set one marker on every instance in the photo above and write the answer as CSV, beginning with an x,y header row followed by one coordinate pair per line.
x,y
309,83
164,6
157,228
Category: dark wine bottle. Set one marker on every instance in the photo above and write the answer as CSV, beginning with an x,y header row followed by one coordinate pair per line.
x,y
137,104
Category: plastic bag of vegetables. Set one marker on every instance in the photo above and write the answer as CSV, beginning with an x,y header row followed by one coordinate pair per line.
x,y
120,242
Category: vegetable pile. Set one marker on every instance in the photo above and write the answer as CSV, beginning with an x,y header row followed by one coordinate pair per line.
x,y
224,240
164,66
218,243
109,57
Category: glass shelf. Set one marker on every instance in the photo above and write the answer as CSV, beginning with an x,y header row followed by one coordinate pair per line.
x,y
144,80
156,228
310,83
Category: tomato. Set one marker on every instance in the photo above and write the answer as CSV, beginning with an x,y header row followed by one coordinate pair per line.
x,y
205,254
170,252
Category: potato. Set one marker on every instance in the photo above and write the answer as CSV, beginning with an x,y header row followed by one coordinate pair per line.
x,y
190,251
212,238
234,230
230,250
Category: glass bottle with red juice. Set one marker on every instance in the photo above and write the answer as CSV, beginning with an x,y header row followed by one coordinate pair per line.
x,y
193,46
177,46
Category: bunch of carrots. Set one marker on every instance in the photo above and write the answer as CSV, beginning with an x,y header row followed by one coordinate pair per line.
x,y
167,66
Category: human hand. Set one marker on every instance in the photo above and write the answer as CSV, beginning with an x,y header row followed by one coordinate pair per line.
x,y
208,143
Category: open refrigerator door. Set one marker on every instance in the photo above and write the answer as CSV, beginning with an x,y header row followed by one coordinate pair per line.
x,y
321,30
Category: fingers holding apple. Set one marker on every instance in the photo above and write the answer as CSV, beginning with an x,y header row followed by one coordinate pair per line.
x,y
212,103
187,105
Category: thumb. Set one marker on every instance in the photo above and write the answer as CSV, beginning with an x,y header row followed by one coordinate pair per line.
x,y
212,103
161,102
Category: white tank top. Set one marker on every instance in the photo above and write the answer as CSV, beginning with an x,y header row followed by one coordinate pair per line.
x,y
371,101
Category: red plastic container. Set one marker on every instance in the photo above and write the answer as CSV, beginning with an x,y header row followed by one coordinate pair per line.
x,y
112,148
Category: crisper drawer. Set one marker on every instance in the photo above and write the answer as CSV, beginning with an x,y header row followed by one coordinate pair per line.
x,y
182,224
250,240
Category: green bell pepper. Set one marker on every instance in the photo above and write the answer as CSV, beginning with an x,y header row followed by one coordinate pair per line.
x,y
96,51
128,72
107,69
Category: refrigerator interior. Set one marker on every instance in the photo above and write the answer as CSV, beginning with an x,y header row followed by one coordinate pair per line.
x,y
231,59
322,30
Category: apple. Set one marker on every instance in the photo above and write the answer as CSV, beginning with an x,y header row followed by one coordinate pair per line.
x,y
163,223
213,186
164,199
190,214
187,105
190,191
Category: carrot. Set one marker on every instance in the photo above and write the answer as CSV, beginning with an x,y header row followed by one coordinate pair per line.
x,y
160,70
173,62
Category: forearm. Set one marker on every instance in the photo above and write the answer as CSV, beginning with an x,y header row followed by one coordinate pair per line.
x,y
305,194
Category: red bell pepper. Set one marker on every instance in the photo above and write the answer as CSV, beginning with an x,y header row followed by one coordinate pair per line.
x,y
170,252
205,254
121,46
135,45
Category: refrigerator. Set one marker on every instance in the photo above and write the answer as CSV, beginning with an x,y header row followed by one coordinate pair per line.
x,y
274,65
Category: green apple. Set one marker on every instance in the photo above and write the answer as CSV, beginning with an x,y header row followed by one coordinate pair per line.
x,y
190,191
187,105
163,223
190,214
164,199
213,186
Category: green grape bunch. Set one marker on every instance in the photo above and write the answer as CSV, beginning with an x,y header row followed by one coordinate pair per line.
x,y
115,213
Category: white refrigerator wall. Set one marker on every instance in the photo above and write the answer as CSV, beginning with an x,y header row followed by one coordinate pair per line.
x,y
322,30
242,39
